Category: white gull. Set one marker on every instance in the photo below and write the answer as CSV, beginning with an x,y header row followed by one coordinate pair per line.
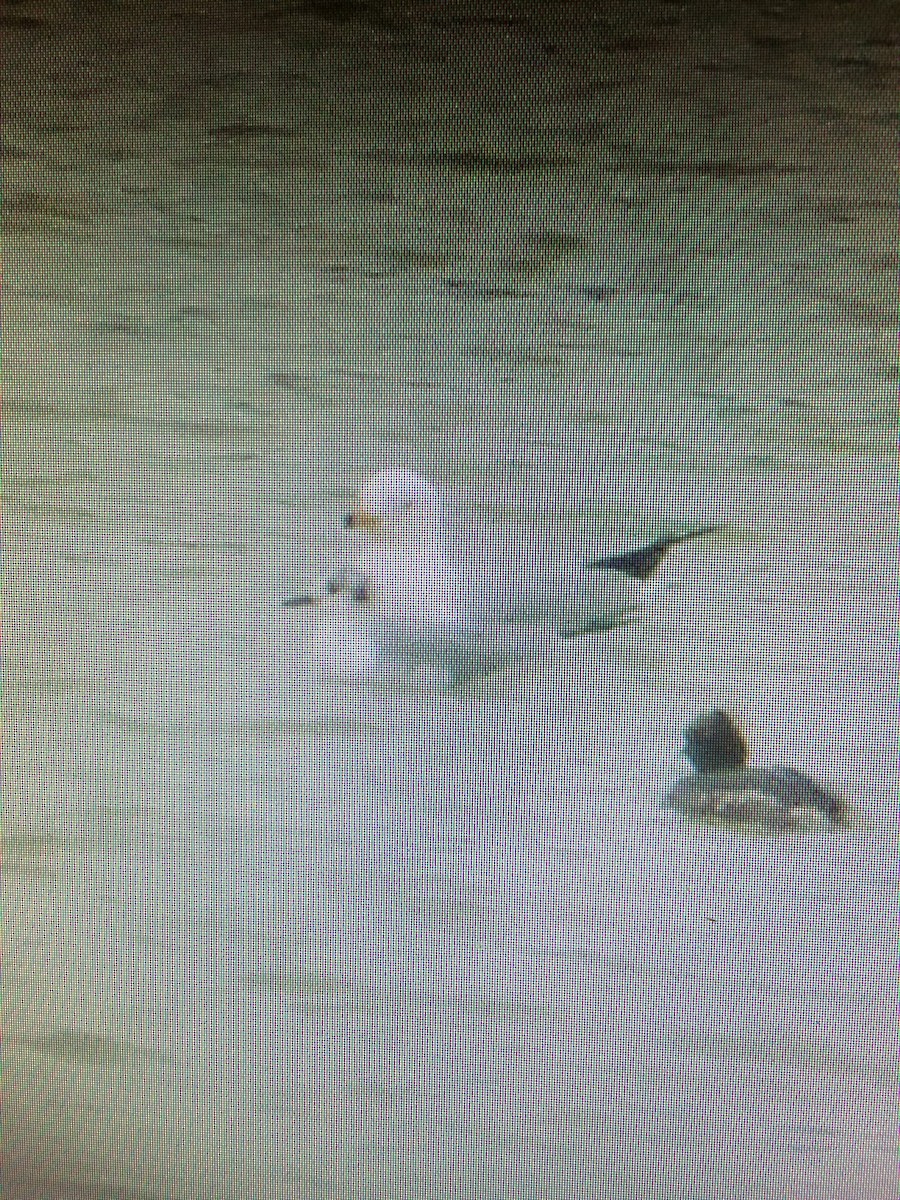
x,y
436,585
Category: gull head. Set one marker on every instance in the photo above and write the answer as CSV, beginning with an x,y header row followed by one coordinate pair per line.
x,y
389,495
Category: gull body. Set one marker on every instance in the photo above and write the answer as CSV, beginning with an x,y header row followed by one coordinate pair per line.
x,y
435,585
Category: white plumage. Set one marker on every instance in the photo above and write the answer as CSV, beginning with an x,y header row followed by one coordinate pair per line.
x,y
436,584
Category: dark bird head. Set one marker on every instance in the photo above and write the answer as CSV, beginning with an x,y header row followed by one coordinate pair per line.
x,y
712,742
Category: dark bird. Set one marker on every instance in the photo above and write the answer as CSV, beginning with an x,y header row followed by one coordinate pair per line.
x,y
724,787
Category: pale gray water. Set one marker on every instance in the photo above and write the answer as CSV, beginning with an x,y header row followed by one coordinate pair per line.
x,y
275,928
420,941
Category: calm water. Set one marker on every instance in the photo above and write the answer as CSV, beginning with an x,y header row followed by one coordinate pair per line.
x,y
360,937
286,932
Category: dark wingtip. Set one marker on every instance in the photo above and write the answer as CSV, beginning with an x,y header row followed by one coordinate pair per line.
x,y
640,564
301,601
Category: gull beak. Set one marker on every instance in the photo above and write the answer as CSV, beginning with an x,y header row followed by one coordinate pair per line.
x,y
360,519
